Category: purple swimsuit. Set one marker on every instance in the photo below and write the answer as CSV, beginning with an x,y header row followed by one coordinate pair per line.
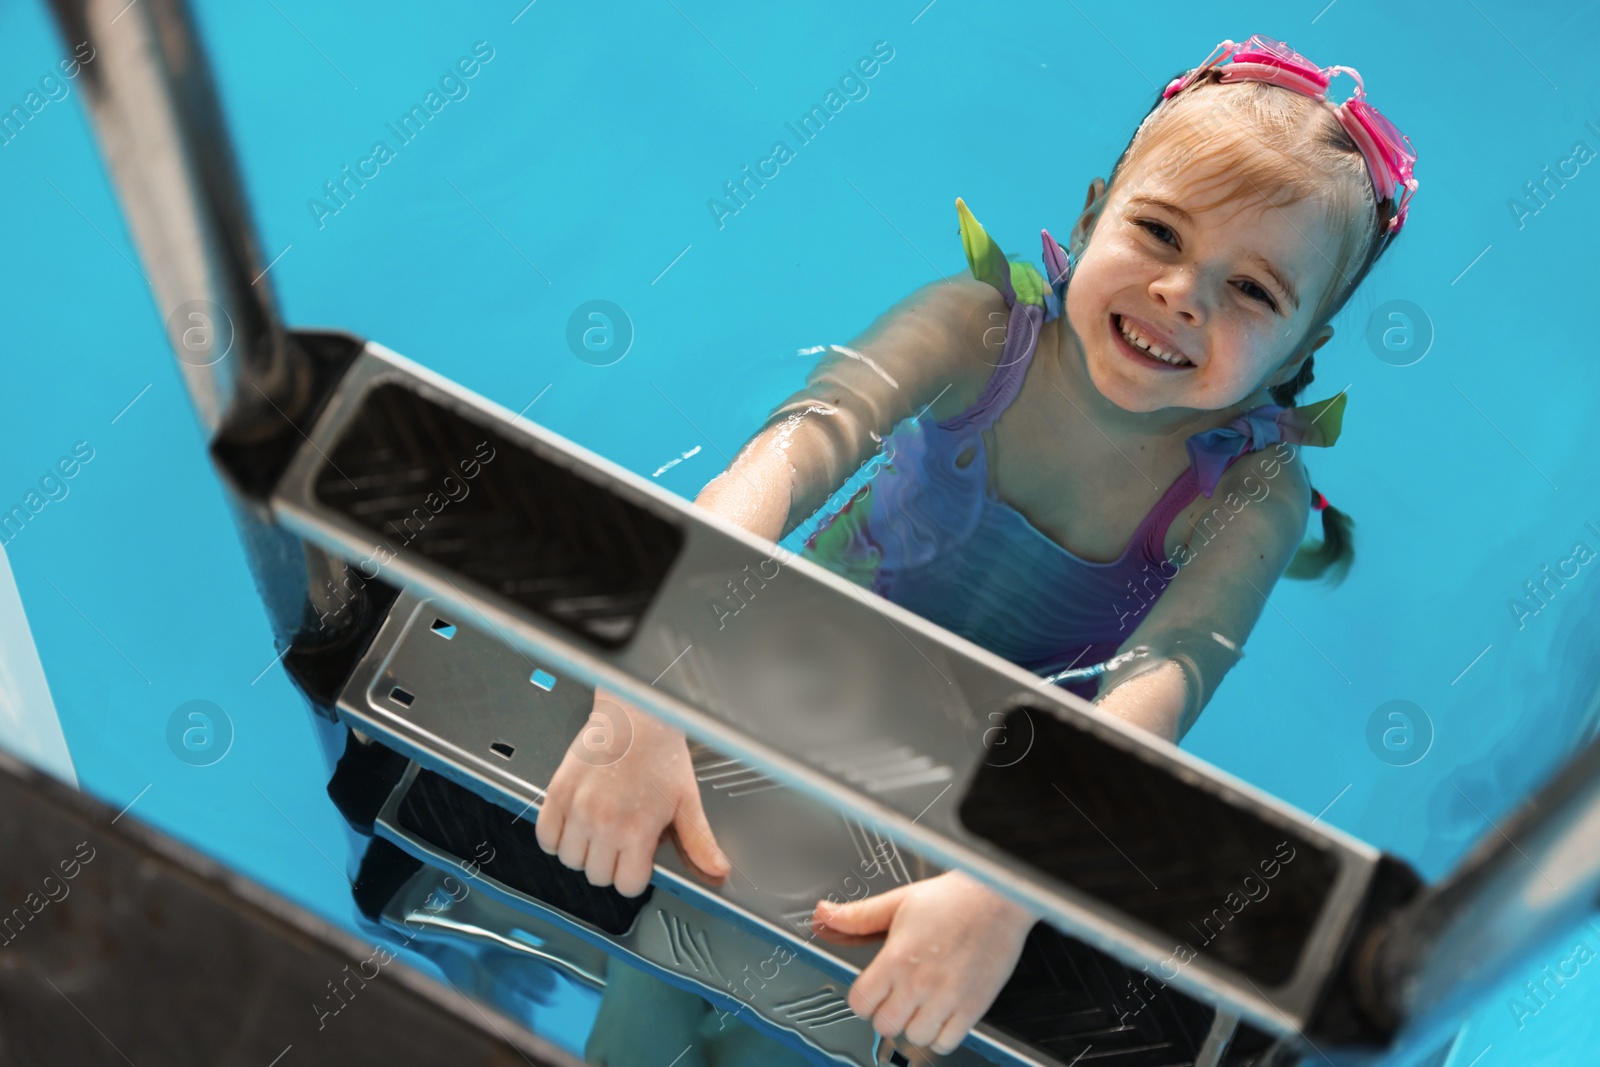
x,y
935,539
928,533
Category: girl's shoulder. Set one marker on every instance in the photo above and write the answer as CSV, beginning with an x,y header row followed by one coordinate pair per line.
x,y
1261,506
1273,482
976,316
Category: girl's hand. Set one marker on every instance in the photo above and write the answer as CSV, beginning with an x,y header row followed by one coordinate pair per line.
x,y
625,778
952,945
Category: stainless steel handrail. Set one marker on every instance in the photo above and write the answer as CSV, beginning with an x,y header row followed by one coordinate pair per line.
x,y
157,116
156,113
1529,879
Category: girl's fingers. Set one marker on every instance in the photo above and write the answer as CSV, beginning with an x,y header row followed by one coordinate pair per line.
x,y
547,826
694,834
892,1016
951,1035
635,864
574,849
924,1027
870,989
600,865
862,916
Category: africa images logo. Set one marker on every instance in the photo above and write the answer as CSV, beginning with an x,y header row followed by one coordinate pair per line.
x,y
852,86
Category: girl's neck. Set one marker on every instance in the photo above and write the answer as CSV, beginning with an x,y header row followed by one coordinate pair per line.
x,y
1123,427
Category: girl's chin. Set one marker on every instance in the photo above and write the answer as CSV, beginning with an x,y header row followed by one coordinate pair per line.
x,y
1131,396
1122,384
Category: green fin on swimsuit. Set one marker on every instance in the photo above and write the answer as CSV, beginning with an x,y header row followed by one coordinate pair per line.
x,y
1018,280
983,255
1322,421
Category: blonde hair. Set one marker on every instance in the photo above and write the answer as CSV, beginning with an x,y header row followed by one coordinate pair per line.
x,y
1251,141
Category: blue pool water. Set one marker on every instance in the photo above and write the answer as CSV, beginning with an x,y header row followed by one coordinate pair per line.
x,y
576,164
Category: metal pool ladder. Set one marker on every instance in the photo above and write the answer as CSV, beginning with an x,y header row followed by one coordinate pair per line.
x,y
870,736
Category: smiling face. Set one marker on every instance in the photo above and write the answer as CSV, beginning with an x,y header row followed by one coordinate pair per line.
x,y
1181,301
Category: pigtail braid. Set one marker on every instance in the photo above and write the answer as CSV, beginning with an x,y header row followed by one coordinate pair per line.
x,y
1331,557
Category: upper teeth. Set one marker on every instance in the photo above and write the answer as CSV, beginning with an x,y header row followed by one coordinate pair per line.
x,y
1139,341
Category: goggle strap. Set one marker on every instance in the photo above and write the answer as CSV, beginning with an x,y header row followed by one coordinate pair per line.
x,y
1384,179
1281,76
1389,184
1183,81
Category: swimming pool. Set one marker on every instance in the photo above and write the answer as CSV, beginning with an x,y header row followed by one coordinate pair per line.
x,y
588,157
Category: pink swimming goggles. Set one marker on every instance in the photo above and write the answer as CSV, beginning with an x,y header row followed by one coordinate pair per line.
x,y
1388,152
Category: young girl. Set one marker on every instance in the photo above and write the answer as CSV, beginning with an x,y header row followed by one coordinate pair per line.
x,y
1114,469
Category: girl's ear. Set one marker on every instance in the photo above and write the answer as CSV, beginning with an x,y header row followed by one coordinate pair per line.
x,y
1091,211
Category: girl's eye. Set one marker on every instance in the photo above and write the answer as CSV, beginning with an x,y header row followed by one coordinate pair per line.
x,y
1256,292
1160,232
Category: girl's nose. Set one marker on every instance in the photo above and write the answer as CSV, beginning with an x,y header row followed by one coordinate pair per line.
x,y
1179,290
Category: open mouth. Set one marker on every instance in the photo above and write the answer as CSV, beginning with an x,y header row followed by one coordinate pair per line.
x,y
1143,350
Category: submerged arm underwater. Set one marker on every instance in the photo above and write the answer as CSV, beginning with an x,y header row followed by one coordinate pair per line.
x,y
606,808
855,395
1195,632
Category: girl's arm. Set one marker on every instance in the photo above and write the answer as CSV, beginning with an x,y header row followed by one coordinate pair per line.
x,y
953,942
606,805
1221,589
928,348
